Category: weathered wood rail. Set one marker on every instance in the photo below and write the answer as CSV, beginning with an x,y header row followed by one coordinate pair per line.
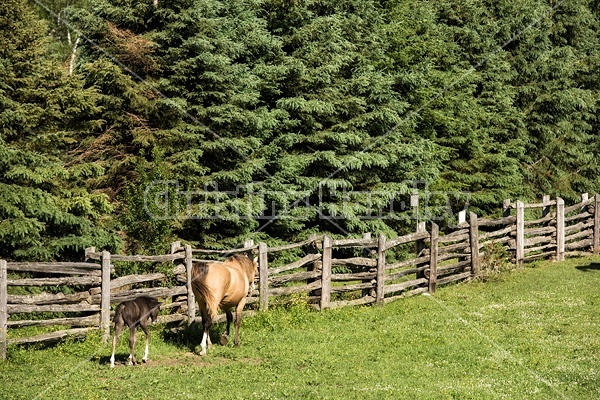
x,y
326,272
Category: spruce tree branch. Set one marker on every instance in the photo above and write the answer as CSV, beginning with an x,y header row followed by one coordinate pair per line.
x,y
446,89
149,85
377,141
531,166
173,103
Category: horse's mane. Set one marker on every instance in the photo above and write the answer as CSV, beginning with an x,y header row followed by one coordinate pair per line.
x,y
246,263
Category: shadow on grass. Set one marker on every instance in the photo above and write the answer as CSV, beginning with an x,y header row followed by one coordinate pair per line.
x,y
589,267
121,359
189,337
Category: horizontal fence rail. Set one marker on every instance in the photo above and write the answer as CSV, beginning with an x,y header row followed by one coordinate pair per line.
x,y
321,270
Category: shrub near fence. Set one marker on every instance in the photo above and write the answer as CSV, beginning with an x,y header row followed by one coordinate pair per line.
x,y
323,275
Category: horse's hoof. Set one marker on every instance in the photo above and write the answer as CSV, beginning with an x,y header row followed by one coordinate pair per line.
x,y
203,353
224,340
144,360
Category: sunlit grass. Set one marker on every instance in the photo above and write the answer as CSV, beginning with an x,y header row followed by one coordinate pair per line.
x,y
529,334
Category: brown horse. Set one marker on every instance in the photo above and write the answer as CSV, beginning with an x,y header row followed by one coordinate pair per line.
x,y
133,313
222,285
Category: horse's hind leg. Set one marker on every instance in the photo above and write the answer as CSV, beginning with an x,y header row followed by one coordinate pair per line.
x,y
132,340
118,328
147,332
238,320
225,336
206,323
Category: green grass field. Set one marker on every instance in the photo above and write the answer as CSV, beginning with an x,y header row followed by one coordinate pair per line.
x,y
531,334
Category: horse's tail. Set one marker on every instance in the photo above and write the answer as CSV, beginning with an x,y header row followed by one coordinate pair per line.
x,y
199,272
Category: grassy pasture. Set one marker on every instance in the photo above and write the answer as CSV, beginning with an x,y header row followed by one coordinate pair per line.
x,y
531,334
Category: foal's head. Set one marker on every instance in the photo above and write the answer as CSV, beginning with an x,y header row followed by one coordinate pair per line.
x,y
153,306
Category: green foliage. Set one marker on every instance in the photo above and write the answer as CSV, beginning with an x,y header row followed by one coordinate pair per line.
x,y
554,61
44,213
279,119
494,261
148,225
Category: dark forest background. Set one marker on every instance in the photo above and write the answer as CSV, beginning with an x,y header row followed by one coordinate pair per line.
x,y
320,112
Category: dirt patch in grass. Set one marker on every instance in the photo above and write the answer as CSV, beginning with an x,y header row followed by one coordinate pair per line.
x,y
190,358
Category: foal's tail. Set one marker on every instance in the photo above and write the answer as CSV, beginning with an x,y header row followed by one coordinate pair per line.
x,y
199,272
118,312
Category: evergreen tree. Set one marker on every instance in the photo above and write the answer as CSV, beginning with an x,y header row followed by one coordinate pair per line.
x,y
345,138
458,80
289,106
323,112
43,216
556,61
119,62
65,41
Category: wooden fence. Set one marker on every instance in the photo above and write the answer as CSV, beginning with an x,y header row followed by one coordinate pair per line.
x,y
326,272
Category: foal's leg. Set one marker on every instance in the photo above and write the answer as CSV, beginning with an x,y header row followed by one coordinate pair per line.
x,y
238,320
118,329
225,336
147,332
132,340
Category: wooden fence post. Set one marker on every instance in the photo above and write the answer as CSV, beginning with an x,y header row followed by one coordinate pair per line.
x,y
584,197
249,243
367,252
105,300
474,239
420,247
596,238
3,309
88,251
462,216
506,208
191,299
263,274
560,229
546,207
379,294
420,243
175,246
520,239
433,257
326,273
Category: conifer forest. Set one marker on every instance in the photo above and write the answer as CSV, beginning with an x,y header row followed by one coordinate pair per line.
x,y
128,124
